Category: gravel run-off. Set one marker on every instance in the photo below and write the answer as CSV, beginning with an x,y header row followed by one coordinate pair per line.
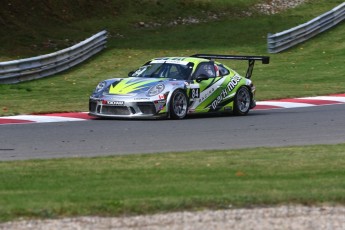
x,y
282,217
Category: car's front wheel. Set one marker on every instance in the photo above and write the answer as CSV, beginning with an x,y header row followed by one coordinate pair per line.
x,y
178,105
242,101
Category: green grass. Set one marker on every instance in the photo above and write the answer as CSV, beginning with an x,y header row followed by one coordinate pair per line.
x,y
313,68
27,26
125,185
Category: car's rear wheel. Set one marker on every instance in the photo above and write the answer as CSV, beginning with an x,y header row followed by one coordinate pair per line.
x,y
178,105
242,101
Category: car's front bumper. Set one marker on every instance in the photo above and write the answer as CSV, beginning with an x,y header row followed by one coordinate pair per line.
x,y
127,109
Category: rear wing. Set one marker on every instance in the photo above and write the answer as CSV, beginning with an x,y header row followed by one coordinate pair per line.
x,y
251,60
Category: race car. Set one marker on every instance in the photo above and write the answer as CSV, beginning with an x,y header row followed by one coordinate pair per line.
x,y
175,87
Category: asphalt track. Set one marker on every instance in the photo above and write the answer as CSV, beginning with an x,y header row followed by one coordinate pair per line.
x,y
275,127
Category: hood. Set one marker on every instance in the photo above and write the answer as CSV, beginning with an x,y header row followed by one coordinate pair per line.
x,y
133,85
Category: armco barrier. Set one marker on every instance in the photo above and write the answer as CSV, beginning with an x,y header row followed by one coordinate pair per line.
x,y
49,64
288,38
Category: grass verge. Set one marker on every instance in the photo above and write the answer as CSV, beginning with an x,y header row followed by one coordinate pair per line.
x,y
149,183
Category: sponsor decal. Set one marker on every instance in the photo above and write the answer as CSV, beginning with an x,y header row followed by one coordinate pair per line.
x,y
206,94
160,105
141,99
171,61
231,85
115,102
160,102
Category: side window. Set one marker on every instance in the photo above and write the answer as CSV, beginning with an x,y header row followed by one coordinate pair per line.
x,y
222,70
206,68
173,72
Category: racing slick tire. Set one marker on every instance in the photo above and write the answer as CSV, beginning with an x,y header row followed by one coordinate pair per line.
x,y
242,101
178,105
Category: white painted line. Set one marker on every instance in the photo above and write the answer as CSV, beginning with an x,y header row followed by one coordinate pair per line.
x,y
326,98
284,104
38,118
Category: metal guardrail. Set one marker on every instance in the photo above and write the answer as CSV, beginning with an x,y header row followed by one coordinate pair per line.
x,y
289,38
46,65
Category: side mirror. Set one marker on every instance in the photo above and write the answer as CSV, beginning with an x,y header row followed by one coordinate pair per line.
x,y
130,74
201,77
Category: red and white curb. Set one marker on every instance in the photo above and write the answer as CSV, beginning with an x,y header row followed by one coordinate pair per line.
x,y
45,118
301,102
261,105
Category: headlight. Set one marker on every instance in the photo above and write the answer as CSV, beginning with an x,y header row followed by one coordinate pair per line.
x,y
100,86
156,90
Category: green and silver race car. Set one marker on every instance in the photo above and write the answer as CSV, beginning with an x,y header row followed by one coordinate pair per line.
x,y
174,87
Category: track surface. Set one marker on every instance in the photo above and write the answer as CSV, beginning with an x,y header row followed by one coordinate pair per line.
x,y
280,127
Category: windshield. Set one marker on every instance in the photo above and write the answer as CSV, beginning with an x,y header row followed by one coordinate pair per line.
x,y
165,70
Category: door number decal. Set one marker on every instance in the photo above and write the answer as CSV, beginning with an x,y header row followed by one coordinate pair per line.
x,y
194,93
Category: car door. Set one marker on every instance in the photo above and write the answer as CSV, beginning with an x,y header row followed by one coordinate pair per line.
x,y
204,92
